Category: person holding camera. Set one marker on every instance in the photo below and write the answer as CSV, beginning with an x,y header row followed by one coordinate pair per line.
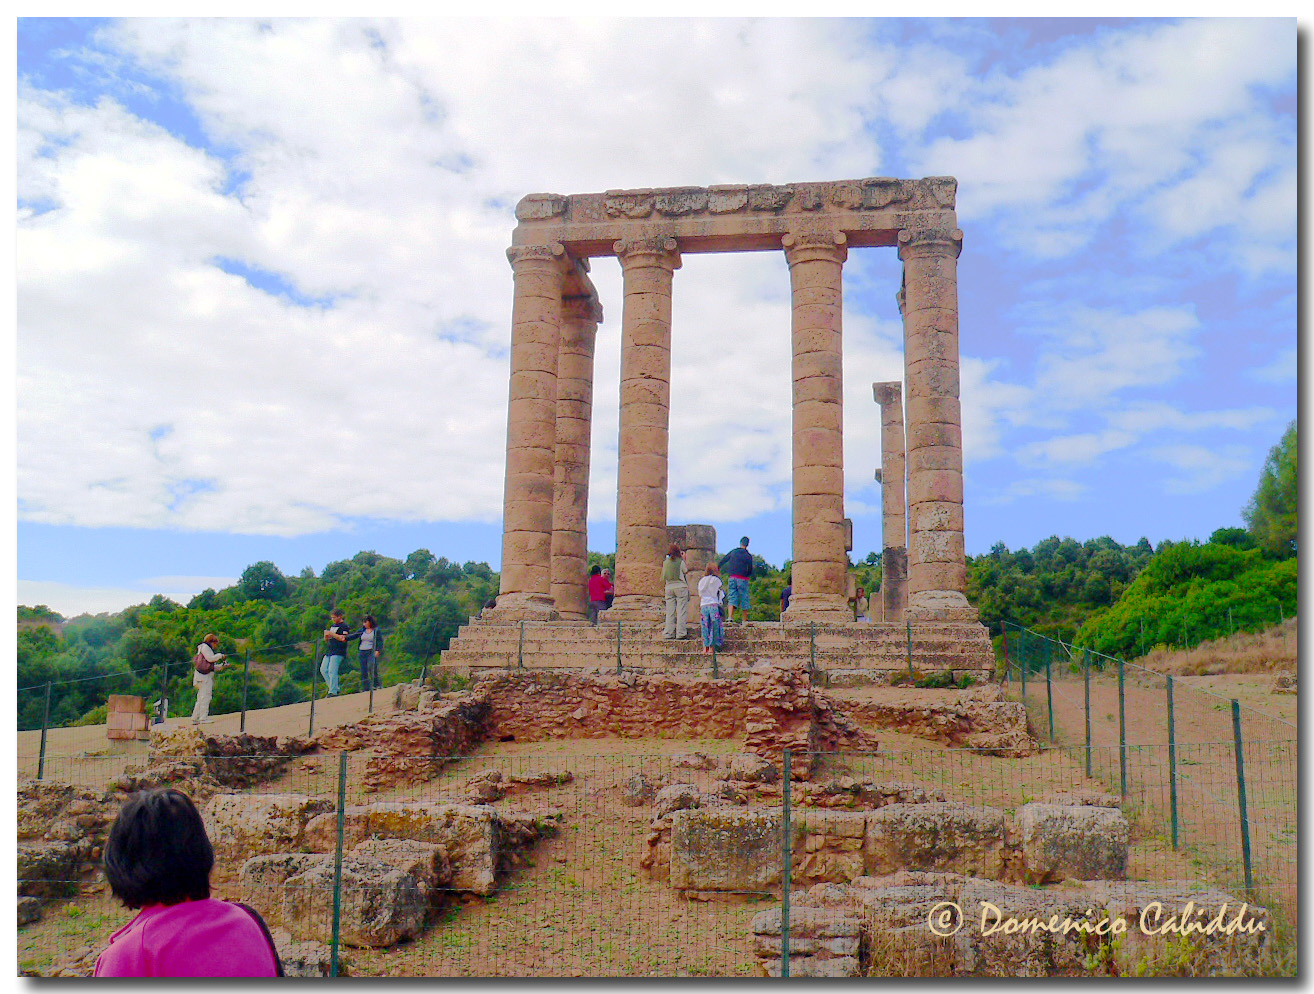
x,y
207,661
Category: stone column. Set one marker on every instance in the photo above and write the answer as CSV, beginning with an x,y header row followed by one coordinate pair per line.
x,y
647,266
820,571
580,317
531,433
894,554
937,570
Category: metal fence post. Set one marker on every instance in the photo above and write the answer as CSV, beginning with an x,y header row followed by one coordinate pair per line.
x,y
246,668
1231,629
45,723
716,672
1022,659
1142,636
618,647
337,863
785,868
520,649
908,623
1122,731
1049,688
314,684
1085,679
1241,795
1172,761
164,691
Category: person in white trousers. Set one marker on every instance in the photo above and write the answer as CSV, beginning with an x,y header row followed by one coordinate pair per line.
x,y
204,682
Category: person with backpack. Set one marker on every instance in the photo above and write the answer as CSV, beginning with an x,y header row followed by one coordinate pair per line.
x,y
207,661
157,861
738,564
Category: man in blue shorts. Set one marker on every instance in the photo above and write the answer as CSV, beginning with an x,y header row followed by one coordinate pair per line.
x,y
738,565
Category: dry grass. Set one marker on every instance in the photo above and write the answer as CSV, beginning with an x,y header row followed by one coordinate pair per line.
x,y
1270,651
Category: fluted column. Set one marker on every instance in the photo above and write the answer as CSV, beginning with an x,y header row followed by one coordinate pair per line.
x,y
816,261
531,433
570,502
648,266
937,569
894,552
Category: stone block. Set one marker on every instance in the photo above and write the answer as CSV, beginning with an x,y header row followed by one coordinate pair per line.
x,y
243,825
935,836
676,797
1080,842
471,835
379,905
844,824
725,849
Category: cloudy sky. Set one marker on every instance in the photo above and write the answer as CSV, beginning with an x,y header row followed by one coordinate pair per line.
x,y
264,305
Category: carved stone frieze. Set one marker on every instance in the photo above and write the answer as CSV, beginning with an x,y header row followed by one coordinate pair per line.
x,y
629,203
540,207
681,201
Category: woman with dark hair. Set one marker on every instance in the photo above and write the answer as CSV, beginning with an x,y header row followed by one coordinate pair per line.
x,y
674,572
158,859
371,644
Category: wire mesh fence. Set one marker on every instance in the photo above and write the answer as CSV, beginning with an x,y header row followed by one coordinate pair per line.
x,y
1219,776
524,859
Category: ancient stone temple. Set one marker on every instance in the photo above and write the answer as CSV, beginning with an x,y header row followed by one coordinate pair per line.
x,y
555,316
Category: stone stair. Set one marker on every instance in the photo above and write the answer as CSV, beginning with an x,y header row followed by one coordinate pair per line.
x,y
844,653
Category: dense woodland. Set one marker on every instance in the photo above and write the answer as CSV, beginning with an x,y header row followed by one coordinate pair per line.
x,y
1119,600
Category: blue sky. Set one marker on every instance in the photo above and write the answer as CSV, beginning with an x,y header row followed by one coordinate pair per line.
x,y
263,302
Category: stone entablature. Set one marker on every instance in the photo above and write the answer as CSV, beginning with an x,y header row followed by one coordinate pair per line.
x,y
745,217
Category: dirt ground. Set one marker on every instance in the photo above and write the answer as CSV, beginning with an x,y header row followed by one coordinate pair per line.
x,y
1202,764
582,905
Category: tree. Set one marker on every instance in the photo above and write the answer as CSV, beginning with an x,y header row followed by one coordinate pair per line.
x,y
428,631
276,629
263,581
1271,513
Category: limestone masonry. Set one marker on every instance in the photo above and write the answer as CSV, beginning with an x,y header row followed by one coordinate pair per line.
x,y
555,316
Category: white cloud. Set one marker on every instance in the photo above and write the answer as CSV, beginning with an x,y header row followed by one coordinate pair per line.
x,y
1280,370
1202,469
70,600
1081,449
1065,490
1145,418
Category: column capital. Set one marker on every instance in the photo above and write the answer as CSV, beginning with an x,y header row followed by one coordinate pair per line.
x,y
808,246
585,310
661,250
915,242
518,255
887,393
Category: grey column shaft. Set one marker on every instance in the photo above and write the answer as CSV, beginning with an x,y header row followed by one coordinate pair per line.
x,y
937,570
816,261
570,502
540,273
894,553
648,268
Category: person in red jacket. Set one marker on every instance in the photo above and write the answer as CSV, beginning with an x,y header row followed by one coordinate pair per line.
x,y
598,587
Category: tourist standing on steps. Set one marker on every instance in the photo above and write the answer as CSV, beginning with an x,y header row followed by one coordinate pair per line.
x,y
710,593
158,860
860,606
335,651
738,565
674,572
205,664
786,594
371,644
597,590
611,587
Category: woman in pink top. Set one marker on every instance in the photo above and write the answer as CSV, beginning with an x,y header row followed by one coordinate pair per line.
x,y
158,858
